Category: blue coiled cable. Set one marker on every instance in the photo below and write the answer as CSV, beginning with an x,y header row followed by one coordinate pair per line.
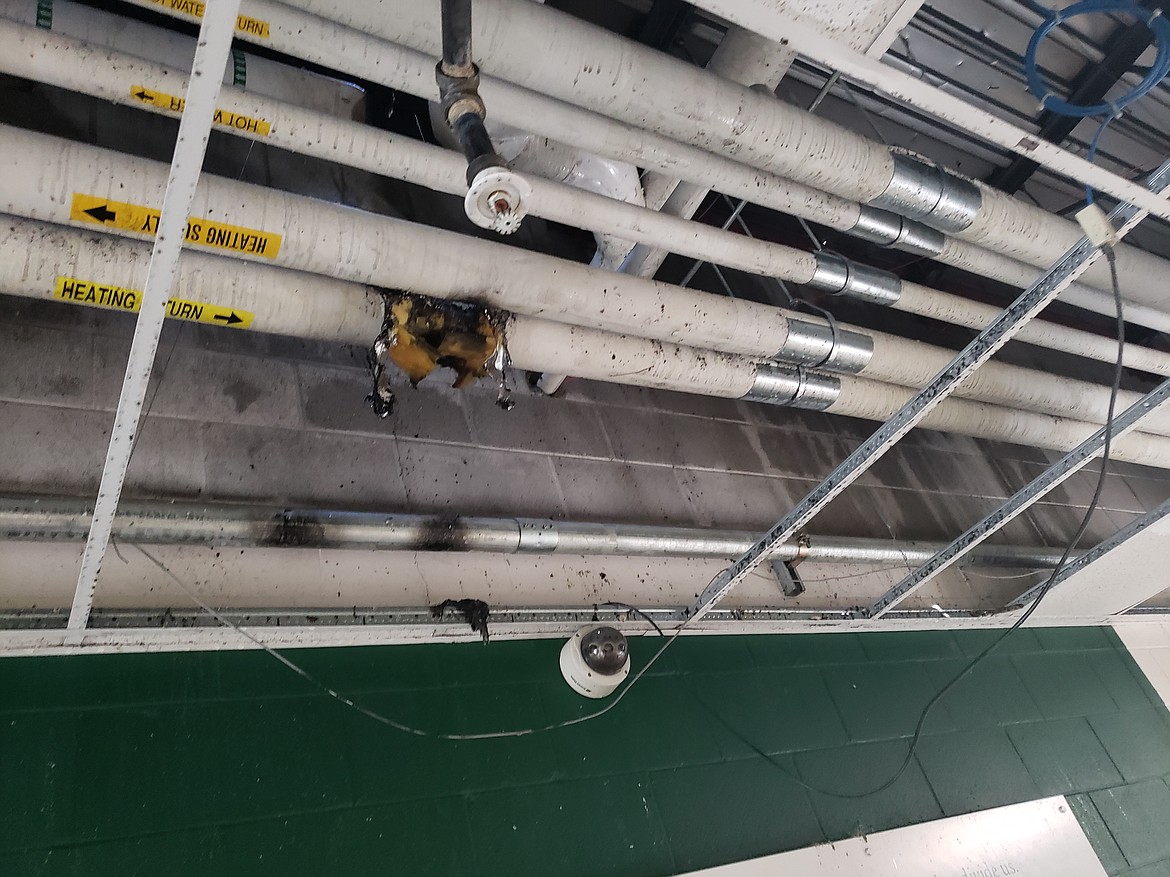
x,y
1110,110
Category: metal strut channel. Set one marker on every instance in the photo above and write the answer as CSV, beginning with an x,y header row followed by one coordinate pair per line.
x,y
1095,553
1054,475
1030,303
211,55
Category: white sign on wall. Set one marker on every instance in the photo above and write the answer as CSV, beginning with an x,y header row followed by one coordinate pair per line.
x,y
1034,839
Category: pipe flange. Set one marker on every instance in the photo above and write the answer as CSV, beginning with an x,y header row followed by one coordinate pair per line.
x,y
498,200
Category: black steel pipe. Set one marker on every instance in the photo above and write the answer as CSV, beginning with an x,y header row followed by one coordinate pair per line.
x,y
456,16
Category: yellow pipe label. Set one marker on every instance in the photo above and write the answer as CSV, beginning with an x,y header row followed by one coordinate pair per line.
x,y
195,9
117,298
225,118
144,220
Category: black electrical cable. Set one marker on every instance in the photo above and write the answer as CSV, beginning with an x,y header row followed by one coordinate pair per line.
x,y
1106,450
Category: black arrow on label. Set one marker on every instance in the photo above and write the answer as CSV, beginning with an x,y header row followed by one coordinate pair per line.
x,y
101,213
143,95
230,320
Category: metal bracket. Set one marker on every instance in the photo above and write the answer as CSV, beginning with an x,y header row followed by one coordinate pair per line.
x,y
788,577
1030,303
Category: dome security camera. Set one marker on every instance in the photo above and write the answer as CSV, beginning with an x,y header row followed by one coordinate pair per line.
x,y
595,660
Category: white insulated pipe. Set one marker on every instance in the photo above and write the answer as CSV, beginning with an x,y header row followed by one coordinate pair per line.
x,y
259,75
96,71
113,76
585,65
313,38
36,258
37,254
873,400
46,175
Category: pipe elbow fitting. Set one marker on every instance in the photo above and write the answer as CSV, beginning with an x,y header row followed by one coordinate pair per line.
x,y
459,95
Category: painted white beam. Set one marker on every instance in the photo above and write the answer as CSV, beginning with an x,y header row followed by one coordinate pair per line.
x,y
211,53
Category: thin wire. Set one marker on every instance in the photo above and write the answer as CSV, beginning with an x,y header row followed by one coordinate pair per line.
x,y
1091,156
636,611
985,575
402,726
1106,451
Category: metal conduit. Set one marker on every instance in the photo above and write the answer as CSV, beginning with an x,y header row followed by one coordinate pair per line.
x,y
173,523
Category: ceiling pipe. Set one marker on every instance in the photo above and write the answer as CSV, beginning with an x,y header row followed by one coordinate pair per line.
x,y
588,66
742,57
161,45
332,45
79,66
46,175
156,522
282,298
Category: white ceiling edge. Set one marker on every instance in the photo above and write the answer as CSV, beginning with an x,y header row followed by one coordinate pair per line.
x,y
1039,838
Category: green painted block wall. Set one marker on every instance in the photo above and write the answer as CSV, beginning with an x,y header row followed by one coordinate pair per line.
x,y
223,763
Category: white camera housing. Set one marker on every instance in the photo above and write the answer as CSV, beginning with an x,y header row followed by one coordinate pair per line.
x,y
603,675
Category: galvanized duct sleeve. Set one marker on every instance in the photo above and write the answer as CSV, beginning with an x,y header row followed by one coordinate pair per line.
x,y
583,64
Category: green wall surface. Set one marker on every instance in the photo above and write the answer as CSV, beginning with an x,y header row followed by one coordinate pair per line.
x,y
228,763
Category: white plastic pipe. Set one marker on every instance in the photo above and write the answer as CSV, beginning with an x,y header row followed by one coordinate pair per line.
x,y
71,64
303,305
333,45
46,173
259,75
583,64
